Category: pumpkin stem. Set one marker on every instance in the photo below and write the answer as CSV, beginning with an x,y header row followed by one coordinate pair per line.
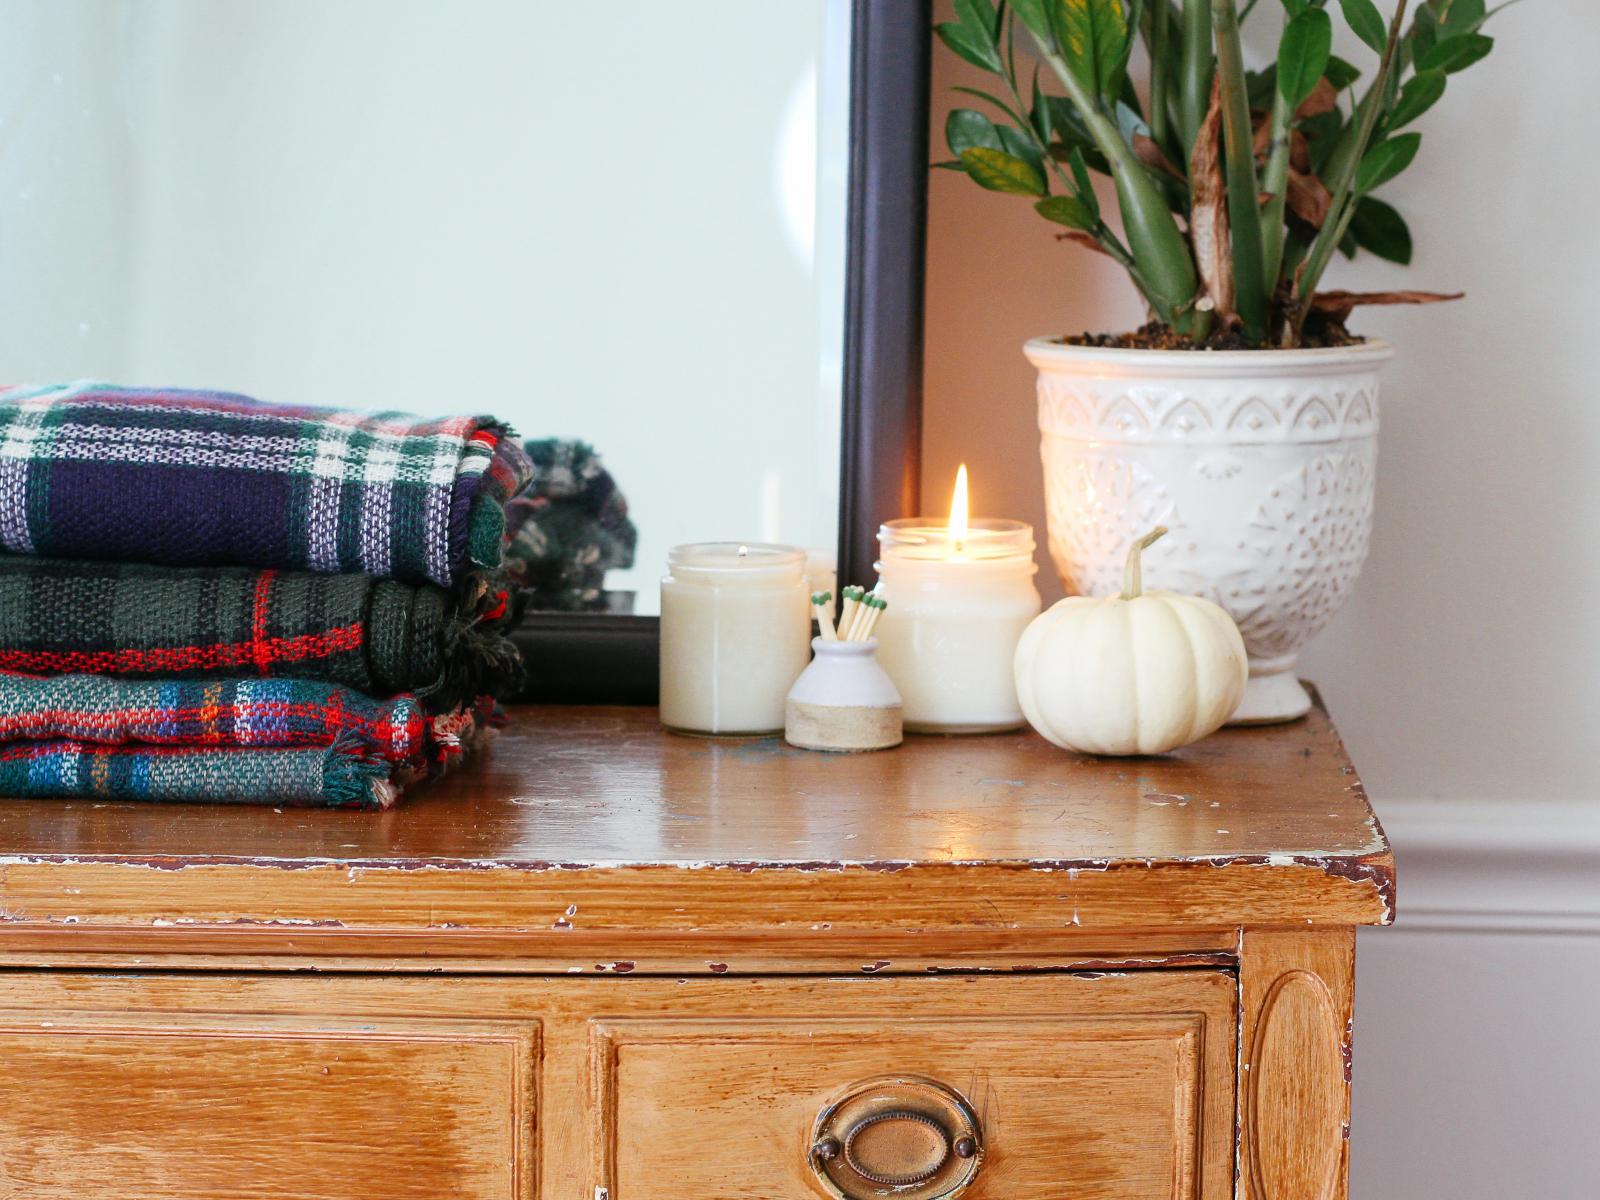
x,y
1132,578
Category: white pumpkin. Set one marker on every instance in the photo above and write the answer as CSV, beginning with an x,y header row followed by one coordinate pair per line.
x,y
1136,673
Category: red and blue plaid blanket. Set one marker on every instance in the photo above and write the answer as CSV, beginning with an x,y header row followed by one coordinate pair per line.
x,y
89,470
266,741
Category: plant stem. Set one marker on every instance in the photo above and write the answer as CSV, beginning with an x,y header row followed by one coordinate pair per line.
x,y
1101,232
1158,246
1275,182
1244,213
1343,190
1132,570
1194,72
1161,17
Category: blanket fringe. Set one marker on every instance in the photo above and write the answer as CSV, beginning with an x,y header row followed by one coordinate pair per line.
x,y
352,778
479,659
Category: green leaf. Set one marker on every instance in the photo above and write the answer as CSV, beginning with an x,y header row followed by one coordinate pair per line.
x,y
980,15
1066,210
1459,16
1260,86
1386,160
1303,55
1093,36
1002,172
1080,176
1340,73
1420,93
1424,32
1379,228
965,128
1293,8
1457,53
1130,123
951,165
974,46
1322,134
1019,145
992,99
1040,116
1347,244
1035,16
1366,22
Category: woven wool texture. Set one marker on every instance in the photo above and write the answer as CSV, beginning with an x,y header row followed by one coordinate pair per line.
x,y
568,528
89,470
340,775
251,741
378,636
214,712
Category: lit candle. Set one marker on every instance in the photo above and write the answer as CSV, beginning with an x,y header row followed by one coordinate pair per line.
x,y
735,635
960,594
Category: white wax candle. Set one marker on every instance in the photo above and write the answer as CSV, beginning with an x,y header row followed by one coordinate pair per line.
x,y
735,635
957,608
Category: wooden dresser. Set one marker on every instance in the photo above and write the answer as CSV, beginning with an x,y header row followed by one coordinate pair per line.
x,y
605,963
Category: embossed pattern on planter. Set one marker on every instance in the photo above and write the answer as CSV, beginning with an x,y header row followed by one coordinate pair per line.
x,y
1264,476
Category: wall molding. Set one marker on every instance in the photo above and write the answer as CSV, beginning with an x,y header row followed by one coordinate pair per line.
x,y
1501,867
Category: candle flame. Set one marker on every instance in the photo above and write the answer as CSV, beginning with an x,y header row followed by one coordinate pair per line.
x,y
958,511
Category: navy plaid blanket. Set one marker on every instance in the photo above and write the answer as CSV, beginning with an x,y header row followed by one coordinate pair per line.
x,y
176,477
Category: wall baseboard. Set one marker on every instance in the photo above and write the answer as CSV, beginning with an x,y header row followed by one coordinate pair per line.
x,y
1496,867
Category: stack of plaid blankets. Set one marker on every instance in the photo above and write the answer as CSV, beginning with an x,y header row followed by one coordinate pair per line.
x,y
205,597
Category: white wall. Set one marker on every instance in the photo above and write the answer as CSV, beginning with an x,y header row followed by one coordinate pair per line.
x,y
1465,673
1476,1051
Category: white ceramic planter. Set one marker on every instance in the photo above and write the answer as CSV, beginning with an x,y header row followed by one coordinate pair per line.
x,y
1260,462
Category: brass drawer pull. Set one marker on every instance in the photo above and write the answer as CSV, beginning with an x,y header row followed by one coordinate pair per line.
x,y
908,1137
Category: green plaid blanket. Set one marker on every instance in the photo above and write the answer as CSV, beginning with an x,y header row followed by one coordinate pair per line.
x,y
568,529
377,636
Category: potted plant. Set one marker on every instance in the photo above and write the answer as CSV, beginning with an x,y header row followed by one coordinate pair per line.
x,y
1243,415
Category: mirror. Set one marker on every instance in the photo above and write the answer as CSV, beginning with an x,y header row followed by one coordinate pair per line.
x,y
690,235
622,224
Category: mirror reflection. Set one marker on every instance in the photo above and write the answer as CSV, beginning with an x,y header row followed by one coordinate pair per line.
x,y
621,227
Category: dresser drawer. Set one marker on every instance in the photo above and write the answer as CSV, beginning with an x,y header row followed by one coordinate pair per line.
x,y
160,1107
1091,1088
1021,1087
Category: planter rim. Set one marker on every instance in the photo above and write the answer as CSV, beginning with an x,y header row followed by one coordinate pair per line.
x,y
1046,352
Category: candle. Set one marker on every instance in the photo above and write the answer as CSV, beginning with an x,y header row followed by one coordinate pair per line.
x,y
735,635
960,594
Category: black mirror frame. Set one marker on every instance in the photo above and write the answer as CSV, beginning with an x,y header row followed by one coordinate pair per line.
x,y
614,659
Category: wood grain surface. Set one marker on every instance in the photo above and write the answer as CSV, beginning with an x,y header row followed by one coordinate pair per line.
x,y
1117,1086
1297,995
594,824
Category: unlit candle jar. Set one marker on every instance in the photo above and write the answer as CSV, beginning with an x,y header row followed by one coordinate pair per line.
x,y
735,635
958,603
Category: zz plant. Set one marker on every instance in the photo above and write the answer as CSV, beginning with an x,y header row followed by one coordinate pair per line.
x,y
1235,187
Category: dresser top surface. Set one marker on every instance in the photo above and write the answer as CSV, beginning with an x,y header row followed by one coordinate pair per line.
x,y
607,787
586,792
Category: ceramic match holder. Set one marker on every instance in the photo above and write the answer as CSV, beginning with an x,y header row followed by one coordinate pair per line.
x,y
844,701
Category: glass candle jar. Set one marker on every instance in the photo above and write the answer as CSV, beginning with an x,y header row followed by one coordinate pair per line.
x,y
735,635
957,608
